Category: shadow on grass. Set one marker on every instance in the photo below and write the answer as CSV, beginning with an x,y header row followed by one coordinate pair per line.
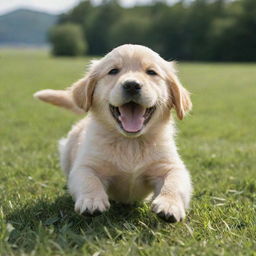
x,y
57,222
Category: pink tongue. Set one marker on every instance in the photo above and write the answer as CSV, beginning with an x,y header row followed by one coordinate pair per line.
x,y
132,117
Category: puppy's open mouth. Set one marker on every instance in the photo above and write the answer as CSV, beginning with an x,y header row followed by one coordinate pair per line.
x,y
131,116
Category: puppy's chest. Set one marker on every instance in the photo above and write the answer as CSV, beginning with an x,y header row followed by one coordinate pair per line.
x,y
125,168
128,188
129,158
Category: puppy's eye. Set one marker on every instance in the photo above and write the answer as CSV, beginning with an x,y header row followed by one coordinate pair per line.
x,y
114,71
151,72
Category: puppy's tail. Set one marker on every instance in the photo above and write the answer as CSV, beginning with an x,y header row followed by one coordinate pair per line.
x,y
59,98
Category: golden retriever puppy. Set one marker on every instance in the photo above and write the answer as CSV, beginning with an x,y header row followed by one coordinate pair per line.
x,y
124,148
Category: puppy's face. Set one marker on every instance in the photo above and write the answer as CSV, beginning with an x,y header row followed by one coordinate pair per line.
x,y
132,89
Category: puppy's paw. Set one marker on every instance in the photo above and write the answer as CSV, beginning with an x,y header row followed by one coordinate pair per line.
x,y
168,209
91,206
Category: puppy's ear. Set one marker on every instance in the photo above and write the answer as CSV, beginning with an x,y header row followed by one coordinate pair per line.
x,y
82,90
179,95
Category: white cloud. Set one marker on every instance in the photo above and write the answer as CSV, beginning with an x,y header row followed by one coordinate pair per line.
x,y
55,6
51,6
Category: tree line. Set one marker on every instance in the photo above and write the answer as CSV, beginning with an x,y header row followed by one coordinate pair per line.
x,y
199,30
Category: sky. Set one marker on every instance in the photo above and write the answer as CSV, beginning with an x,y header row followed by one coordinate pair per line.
x,y
54,6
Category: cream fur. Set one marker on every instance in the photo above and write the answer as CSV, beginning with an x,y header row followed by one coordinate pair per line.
x,y
102,161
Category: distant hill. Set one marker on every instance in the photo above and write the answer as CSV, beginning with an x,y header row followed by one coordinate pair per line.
x,y
25,27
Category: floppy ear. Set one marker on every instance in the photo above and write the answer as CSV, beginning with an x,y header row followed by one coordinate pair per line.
x,y
179,95
82,92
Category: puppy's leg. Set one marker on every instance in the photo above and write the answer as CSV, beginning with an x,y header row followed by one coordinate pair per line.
x,y
172,194
59,98
88,191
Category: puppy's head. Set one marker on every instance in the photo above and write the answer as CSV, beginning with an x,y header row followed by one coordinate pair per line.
x,y
132,89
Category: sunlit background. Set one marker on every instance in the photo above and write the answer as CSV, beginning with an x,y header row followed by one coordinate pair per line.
x,y
205,30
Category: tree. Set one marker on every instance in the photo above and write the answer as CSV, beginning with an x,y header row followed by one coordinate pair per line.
x,y
167,30
205,30
131,30
79,14
99,25
234,35
67,40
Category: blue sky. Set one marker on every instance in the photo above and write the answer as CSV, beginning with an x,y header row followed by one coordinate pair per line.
x,y
54,6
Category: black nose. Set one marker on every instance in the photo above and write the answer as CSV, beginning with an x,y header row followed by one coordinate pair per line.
x,y
131,87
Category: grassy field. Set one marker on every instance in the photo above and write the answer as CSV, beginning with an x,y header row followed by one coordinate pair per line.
x,y
217,142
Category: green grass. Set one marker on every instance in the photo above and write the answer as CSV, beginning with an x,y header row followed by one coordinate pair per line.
x,y
217,142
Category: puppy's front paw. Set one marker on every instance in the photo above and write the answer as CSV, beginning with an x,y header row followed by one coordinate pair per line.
x,y
168,209
91,206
